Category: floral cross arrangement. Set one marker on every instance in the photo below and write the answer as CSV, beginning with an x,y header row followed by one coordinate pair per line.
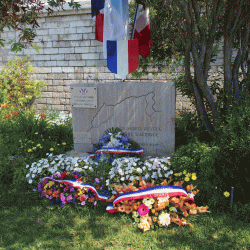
x,y
148,190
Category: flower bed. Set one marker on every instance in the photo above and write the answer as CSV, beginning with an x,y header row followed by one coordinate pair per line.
x,y
147,190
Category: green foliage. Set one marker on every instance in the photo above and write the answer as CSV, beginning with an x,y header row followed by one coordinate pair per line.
x,y
234,142
187,128
27,134
241,212
30,140
166,45
201,158
74,5
16,83
3,97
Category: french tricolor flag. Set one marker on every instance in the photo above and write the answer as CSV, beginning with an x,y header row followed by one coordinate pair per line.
x,y
97,9
142,30
122,57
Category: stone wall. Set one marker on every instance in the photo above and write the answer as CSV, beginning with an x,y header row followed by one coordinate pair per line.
x,y
70,54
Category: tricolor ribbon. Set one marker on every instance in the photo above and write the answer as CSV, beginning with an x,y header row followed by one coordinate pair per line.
x,y
78,185
159,191
117,151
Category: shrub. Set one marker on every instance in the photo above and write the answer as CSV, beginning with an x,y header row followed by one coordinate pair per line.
x,y
200,158
234,142
16,83
27,134
187,128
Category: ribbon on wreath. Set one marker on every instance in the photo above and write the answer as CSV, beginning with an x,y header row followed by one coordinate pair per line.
x,y
153,192
117,151
78,185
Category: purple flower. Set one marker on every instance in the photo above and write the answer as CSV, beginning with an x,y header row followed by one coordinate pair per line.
x,y
96,180
69,198
72,189
82,203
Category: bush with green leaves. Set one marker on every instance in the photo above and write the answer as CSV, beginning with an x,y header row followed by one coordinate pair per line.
x,y
27,134
16,84
201,158
187,128
234,142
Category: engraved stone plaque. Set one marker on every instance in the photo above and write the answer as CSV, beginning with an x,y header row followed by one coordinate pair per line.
x,y
145,111
83,97
81,137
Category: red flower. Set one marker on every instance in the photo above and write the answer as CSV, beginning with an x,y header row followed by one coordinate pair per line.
x,y
92,199
4,105
63,174
15,113
7,116
43,115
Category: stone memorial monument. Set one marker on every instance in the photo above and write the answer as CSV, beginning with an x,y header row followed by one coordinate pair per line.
x,y
145,111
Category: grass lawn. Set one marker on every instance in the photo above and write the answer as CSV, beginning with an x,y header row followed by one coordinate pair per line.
x,y
35,225
29,222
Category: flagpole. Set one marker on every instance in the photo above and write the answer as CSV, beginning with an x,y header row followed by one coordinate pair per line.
x,y
137,5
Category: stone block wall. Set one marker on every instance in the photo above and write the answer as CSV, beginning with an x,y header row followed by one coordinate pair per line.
x,y
70,54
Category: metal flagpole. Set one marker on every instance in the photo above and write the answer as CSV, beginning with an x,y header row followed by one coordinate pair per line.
x,y
132,33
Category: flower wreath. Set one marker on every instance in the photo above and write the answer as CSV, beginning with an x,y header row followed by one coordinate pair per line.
x,y
115,144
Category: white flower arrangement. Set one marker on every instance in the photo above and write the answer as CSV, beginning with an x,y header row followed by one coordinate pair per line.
x,y
54,164
124,170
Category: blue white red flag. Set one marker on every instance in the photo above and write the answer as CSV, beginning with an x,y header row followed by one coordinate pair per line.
x,y
116,22
122,57
97,9
142,30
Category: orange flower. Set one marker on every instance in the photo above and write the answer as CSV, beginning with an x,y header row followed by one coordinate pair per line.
x,y
4,105
149,220
174,200
56,194
7,116
195,192
134,206
118,189
192,211
202,209
15,113
185,214
49,192
164,183
159,207
92,199
154,219
193,205
189,187
156,214
159,223
183,209
179,183
43,115
128,209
